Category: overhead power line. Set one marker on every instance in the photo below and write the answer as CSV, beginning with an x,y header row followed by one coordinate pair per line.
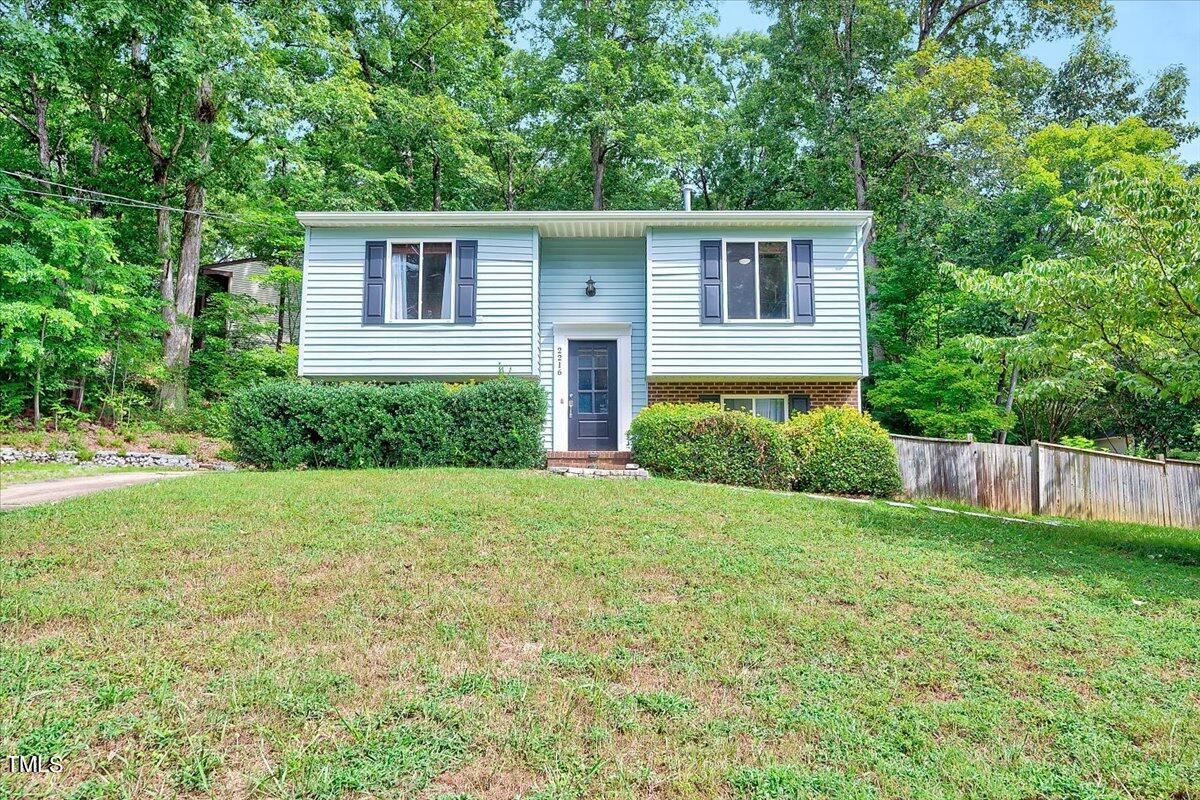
x,y
107,198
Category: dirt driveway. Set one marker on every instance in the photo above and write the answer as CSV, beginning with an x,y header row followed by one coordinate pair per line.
x,y
37,493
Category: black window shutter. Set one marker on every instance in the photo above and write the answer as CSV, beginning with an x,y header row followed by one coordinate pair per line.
x,y
373,281
798,404
468,258
710,282
710,398
802,281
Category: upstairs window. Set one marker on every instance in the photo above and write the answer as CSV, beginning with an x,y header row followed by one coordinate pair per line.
x,y
769,407
756,281
420,281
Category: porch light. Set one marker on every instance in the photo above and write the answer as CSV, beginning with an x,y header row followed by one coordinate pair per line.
x,y
590,287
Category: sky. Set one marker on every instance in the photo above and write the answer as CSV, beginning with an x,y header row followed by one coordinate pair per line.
x,y
1153,34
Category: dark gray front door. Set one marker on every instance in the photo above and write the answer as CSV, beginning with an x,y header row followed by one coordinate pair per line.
x,y
592,402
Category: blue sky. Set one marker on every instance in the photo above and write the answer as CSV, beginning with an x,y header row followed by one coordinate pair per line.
x,y
1154,34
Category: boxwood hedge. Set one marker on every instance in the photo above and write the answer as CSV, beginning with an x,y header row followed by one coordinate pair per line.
x,y
496,423
843,451
703,443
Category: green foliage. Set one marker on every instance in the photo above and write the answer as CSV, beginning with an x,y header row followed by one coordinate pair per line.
x,y
1082,442
700,442
930,114
64,295
1097,84
1127,303
496,424
942,392
843,451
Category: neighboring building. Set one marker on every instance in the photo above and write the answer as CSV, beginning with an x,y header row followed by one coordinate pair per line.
x,y
610,310
235,277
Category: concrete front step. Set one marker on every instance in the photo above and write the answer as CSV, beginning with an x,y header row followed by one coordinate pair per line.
x,y
595,459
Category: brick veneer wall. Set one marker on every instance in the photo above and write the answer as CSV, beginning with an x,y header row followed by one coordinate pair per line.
x,y
820,392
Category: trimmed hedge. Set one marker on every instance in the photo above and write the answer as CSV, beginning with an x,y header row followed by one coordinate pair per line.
x,y
497,423
700,442
843,451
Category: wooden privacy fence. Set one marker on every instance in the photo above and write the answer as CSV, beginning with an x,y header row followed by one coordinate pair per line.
x,y
1051,479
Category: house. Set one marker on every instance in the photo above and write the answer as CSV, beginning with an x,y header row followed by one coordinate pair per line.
x,y
761,311
236,276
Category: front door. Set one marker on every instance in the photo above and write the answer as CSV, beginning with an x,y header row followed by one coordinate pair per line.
x,y
592,402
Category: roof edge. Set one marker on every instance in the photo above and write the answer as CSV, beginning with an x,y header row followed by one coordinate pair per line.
x,y
334,219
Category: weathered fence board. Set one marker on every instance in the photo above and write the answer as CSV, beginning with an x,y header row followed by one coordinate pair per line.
x,y
1051,479
1183,480
1003,476
1092,485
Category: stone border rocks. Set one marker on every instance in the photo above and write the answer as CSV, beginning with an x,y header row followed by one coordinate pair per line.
x,y
111,458
635,473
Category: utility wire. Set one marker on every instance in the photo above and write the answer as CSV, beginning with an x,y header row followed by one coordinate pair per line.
x,y
97,196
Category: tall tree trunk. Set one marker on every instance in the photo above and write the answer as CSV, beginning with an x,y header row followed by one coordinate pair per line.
x,y
599,153
166,267
859,171
177,349
37,377
1001,435
860,175
279,322
437,181
40,104
99,152
510,194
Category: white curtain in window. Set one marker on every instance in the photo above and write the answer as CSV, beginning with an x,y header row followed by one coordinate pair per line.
x,y
772,408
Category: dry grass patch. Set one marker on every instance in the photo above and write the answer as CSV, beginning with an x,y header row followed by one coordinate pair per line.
x,y
460,633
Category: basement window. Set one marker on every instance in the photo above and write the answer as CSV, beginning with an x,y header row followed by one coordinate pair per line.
x,y
772,407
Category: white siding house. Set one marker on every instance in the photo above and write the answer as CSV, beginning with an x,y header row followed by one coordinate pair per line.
x,y
756,310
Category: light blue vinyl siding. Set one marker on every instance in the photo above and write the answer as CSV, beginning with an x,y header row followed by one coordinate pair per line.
x,y
619,268
334,342
679,346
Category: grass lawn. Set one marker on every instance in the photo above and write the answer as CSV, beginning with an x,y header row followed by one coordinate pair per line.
x,y
464,633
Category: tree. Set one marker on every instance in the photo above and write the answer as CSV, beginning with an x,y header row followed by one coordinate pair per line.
x,y
64,293
944,392
1097,85
1127,301
620,78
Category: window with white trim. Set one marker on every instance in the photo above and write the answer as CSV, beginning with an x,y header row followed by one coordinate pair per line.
x,y
772,407
420,281
756,281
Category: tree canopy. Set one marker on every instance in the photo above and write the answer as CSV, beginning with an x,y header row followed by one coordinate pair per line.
x,y
139,141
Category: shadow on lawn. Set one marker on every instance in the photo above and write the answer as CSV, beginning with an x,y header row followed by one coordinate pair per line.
x,y
1148,560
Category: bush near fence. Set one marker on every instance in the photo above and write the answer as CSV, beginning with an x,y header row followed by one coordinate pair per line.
x,y
496,423
700,442
840,450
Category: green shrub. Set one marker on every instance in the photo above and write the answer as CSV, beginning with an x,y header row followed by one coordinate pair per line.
x,y
497,423
85,454
701,442
843,451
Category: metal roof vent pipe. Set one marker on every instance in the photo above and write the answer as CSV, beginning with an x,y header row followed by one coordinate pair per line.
x,y
687,197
